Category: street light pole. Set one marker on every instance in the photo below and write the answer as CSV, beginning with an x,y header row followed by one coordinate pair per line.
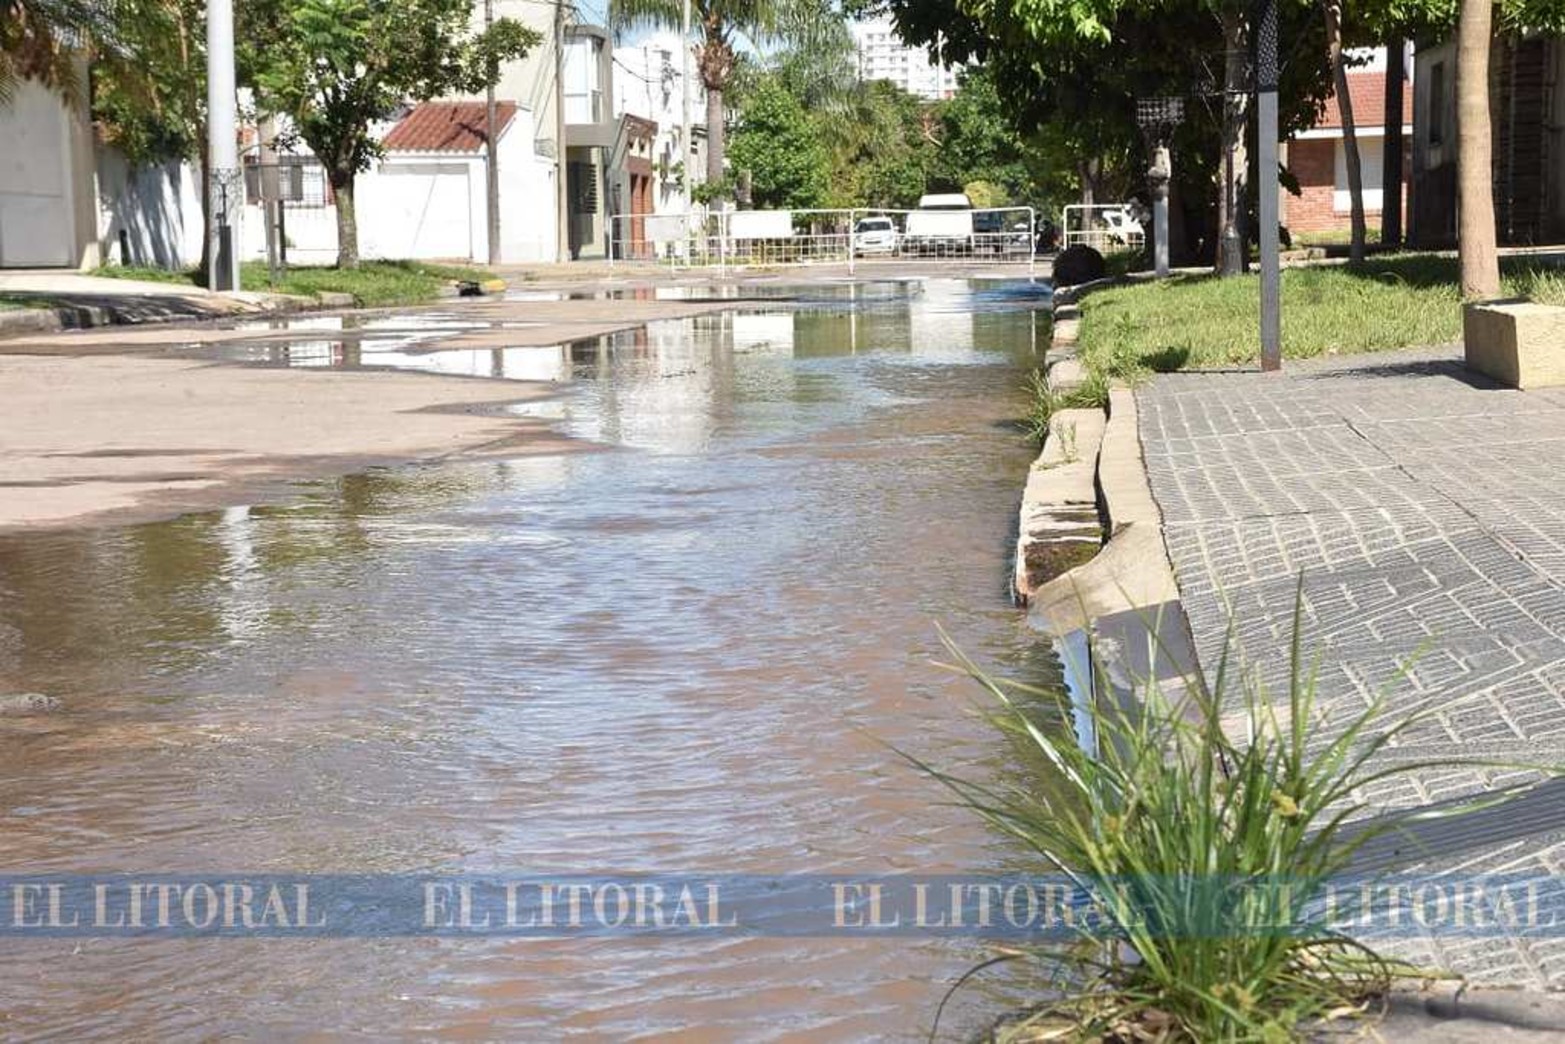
x,y
561,180
1158,118
225,181
1266,163
492,164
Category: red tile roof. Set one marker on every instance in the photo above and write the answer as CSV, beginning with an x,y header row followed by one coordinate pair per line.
x,y
443,126
1368,91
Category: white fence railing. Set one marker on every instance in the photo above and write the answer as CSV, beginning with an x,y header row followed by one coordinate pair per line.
x,y
774,238
1102,226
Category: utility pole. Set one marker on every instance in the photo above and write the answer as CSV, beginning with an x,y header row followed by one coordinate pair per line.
x,y
562,189
492,161
686,140
271,194
225,181
1266,168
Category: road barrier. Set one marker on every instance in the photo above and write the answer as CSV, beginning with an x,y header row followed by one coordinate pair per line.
x,y
776,238
1102,226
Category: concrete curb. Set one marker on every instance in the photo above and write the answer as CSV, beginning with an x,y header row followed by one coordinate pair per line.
x,y
17,321
1058,523
244,304
1132,572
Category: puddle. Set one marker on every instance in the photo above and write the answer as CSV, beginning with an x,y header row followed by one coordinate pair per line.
x,y
691,653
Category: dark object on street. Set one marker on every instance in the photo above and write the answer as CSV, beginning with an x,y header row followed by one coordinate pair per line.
x,y
469,288
1078,264
1048,237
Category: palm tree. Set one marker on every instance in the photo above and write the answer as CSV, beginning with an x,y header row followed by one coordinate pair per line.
x,y
44,41
719,24
1474,177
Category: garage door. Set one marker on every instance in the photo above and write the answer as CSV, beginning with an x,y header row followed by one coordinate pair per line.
x,y
427,207
35,212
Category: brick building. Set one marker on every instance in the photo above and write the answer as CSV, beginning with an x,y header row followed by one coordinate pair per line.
x,y
1526,100
1318,157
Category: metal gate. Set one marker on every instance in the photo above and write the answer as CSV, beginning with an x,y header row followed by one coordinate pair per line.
x,y
780,238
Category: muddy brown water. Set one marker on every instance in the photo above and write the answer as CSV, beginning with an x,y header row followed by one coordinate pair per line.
x,y
688,653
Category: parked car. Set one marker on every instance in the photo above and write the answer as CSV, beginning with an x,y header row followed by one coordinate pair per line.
x,y
999,233
1124,229
942,224
875,235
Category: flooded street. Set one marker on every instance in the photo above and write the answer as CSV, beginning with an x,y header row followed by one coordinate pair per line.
x,y
688,647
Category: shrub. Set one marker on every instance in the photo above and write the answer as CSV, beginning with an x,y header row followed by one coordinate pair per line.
x,y
1194,829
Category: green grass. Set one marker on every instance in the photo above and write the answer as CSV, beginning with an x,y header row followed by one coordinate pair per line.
x,y
1335,237
373,283
1204,848
1395,301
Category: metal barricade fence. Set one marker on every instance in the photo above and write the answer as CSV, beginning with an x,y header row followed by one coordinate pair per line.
x,y
1102,226
779,238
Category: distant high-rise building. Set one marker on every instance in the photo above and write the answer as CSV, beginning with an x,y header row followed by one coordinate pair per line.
x,y
883,56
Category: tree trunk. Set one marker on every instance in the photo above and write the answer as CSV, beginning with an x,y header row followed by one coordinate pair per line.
x,y
205,193
1350,144
1087,169
716,144
1474,155
1230,196
347,220
1391,182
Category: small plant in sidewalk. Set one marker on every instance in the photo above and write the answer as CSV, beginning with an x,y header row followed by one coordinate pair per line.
x,y
1193,831
1044,400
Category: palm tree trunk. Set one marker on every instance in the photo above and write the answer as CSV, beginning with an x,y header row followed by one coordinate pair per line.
x,y
1350,143
715,138
1474,157
347,220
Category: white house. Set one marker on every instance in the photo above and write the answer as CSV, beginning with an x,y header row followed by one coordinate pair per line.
x,y
428,196
649,84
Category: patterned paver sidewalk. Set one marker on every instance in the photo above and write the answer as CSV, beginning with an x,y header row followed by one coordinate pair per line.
x,y
1426,511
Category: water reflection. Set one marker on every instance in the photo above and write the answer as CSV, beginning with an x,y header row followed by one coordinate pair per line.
x,y
688,652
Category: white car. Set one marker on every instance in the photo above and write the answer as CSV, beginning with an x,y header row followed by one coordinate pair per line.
x,y
875,235
1123,228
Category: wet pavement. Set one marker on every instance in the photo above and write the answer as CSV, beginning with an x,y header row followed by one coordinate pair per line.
x,y
692,651
1412,514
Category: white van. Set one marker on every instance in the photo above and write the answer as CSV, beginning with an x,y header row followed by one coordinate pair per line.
x,y
942,224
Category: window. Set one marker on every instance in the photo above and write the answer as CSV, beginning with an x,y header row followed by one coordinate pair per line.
x,y
1437,103
583,92
1372,153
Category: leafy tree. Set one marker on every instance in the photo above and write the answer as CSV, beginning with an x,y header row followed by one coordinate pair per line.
x,y
780,146
721,23
153,107
152,104
1072,74
333,67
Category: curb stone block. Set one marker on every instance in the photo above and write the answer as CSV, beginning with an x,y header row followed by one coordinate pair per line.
x,y
1518,343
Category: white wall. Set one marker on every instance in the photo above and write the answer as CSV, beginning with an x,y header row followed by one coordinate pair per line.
x,y
527,195
148,215
46,200
431,206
